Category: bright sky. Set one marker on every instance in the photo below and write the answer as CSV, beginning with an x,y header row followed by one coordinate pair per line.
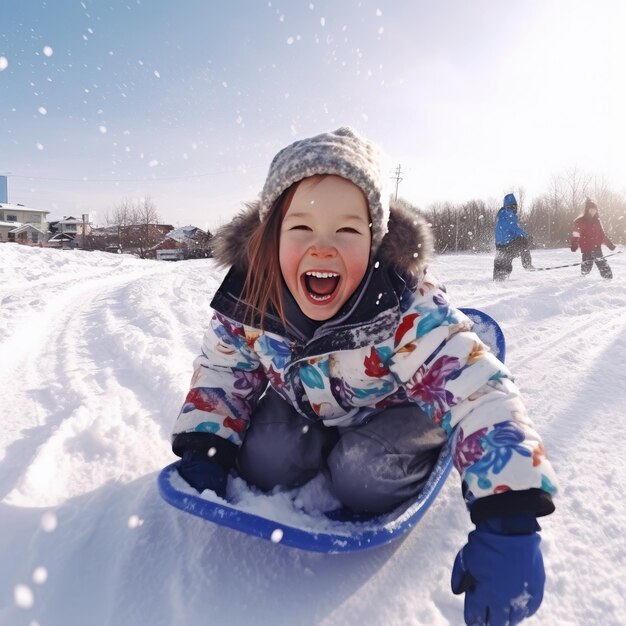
x,y
188,101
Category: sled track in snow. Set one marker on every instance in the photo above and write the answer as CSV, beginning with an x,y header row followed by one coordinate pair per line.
x,y
80,346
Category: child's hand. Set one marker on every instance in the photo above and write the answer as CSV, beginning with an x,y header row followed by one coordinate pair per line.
x,y
201,473
501,574
574,247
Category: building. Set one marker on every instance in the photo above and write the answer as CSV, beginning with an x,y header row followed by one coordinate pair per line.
x,y
187,242
69,232
22,224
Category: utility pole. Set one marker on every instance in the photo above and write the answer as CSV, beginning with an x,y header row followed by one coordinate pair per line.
x,y
85,216
398,178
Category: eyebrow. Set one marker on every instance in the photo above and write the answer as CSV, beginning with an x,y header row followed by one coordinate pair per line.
x,y
305,214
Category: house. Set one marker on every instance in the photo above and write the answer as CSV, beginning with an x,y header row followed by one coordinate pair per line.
x,y
74,227
63,241
69,232
28,234
13,217
169,250
187,242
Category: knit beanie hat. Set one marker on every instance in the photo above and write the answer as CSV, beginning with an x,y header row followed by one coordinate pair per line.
x,y
341,153
590,204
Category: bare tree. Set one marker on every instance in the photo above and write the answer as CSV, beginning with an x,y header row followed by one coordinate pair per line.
x,y
121,217
520,196
146,233
543,219
576,189
137,226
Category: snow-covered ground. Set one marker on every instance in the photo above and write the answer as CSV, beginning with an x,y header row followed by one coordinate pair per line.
x,y
95,359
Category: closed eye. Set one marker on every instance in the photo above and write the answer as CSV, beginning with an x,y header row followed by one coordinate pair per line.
x,y
349,229
300,227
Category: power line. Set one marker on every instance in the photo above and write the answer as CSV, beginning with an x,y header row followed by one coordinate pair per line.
x,y
127,180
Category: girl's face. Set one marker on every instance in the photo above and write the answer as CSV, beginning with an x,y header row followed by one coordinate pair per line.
x,y
324,244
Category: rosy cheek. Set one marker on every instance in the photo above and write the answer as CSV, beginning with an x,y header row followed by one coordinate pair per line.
x,y
289,259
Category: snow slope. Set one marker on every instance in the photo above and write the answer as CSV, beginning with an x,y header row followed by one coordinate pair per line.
x,y
95,359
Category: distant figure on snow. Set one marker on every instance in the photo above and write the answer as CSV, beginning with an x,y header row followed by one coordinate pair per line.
x,y
588,235
511,240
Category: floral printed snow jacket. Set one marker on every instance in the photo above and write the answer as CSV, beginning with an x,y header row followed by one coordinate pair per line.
x,y
397,340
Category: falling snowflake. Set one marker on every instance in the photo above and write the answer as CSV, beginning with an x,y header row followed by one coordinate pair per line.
x,y
48,51
134,521
40,575
42,110
4,63
23,596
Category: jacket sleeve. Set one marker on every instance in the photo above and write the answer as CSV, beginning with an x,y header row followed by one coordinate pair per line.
x,y
605,240
517,230
575,240
447,370
227,383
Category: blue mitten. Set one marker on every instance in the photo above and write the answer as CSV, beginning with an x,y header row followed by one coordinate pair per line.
x,y
203,473
500,570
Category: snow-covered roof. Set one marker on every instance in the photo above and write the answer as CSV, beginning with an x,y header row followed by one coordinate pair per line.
x,y
70,220
23,227
11,224
20,207
184,232
104,230
61,236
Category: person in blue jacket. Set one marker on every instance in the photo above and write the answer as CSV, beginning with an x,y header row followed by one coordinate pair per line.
x,y
511,240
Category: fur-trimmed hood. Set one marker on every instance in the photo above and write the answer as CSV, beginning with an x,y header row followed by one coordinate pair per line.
x,y
407,245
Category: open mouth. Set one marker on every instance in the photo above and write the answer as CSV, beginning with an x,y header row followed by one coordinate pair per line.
x,y
321,287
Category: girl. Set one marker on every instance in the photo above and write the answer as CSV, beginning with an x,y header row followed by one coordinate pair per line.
x,y
333,349
588,235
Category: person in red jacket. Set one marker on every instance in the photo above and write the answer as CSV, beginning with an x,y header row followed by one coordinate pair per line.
x,y
588,235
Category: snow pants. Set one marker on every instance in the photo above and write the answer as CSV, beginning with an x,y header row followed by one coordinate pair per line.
x,y
595,256
372,467
505,253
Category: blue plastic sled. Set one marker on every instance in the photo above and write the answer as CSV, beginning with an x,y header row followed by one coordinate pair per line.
x,y
341,533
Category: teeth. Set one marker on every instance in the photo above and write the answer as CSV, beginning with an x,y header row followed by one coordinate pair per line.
x,y
322,274
319,298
